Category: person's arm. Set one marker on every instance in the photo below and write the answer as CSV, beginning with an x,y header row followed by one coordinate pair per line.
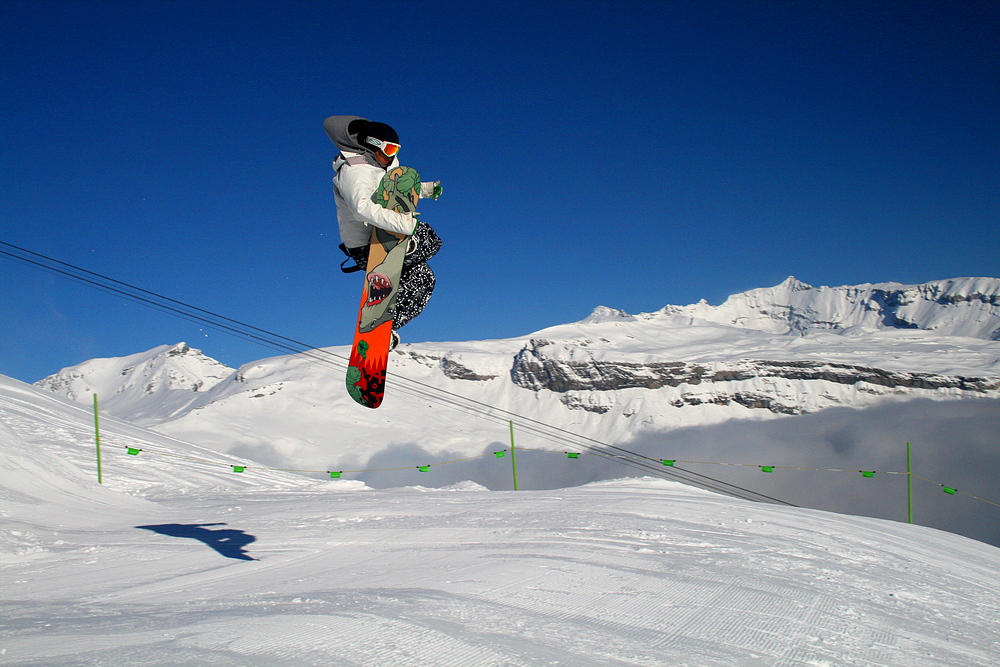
x,y
356,186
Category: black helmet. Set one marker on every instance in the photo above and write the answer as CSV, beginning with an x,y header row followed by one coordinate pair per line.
x,y
378,131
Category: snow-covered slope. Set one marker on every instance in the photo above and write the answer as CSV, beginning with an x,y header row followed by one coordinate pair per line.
x,y
173,561
49,455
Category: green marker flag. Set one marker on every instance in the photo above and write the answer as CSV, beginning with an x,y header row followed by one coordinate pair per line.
x,y
239,468
867,473
335,474
502,453
423,468
669,462
133,451
767,468
950,491
572,455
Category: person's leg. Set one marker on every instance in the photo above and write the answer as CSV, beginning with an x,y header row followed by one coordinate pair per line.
x,y
416,284
425,242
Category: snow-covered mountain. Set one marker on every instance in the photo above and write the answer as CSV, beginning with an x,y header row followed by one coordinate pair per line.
x,y
177,559
150,386
966,307
788,349
623,379
663,384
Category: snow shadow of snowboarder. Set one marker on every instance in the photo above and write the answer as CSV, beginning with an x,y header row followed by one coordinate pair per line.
x,y
228,542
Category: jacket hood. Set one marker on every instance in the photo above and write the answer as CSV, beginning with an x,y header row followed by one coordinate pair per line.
x,y
336,129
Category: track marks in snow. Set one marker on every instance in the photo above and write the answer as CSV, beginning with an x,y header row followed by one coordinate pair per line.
x,y
343,639
635,574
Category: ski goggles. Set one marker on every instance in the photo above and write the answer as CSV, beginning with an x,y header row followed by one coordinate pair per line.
x,y
387,147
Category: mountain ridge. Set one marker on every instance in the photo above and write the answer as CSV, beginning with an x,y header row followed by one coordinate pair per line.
x,y
769,353
795,306
166,380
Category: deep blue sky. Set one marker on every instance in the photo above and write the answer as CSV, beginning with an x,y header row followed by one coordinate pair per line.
x,y
628,154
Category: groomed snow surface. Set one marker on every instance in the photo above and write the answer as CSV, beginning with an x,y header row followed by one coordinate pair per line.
x,y
181,563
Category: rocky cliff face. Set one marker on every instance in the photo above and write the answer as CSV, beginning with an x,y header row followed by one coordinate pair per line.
x,y
532,370
821,324
723,383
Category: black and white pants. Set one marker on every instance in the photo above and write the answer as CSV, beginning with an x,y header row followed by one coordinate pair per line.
x,y
416,282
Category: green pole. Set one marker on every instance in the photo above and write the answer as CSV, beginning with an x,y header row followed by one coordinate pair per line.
x,y
97,438
513,454
909,484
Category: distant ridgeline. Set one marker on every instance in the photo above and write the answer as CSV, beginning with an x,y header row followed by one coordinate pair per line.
x,y
788,349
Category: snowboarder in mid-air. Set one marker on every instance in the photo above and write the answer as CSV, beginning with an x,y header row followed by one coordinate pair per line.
x,y
368,152
379,229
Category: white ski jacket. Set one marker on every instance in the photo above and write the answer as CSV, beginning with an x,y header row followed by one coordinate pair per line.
x,y
353,185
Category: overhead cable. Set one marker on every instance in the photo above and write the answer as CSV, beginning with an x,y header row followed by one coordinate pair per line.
x,y
402,383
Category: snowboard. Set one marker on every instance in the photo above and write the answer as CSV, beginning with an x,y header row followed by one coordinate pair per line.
x,y
399,191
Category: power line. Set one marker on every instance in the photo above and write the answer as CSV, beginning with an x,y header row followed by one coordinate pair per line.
x,y
401,383
162,303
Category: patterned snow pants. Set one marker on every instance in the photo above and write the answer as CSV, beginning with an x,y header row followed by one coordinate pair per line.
x,y
416,282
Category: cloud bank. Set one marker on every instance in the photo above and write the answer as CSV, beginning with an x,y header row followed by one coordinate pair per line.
x,y
955,443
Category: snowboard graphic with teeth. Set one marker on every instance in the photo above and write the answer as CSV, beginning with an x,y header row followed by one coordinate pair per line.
x,y
399,191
